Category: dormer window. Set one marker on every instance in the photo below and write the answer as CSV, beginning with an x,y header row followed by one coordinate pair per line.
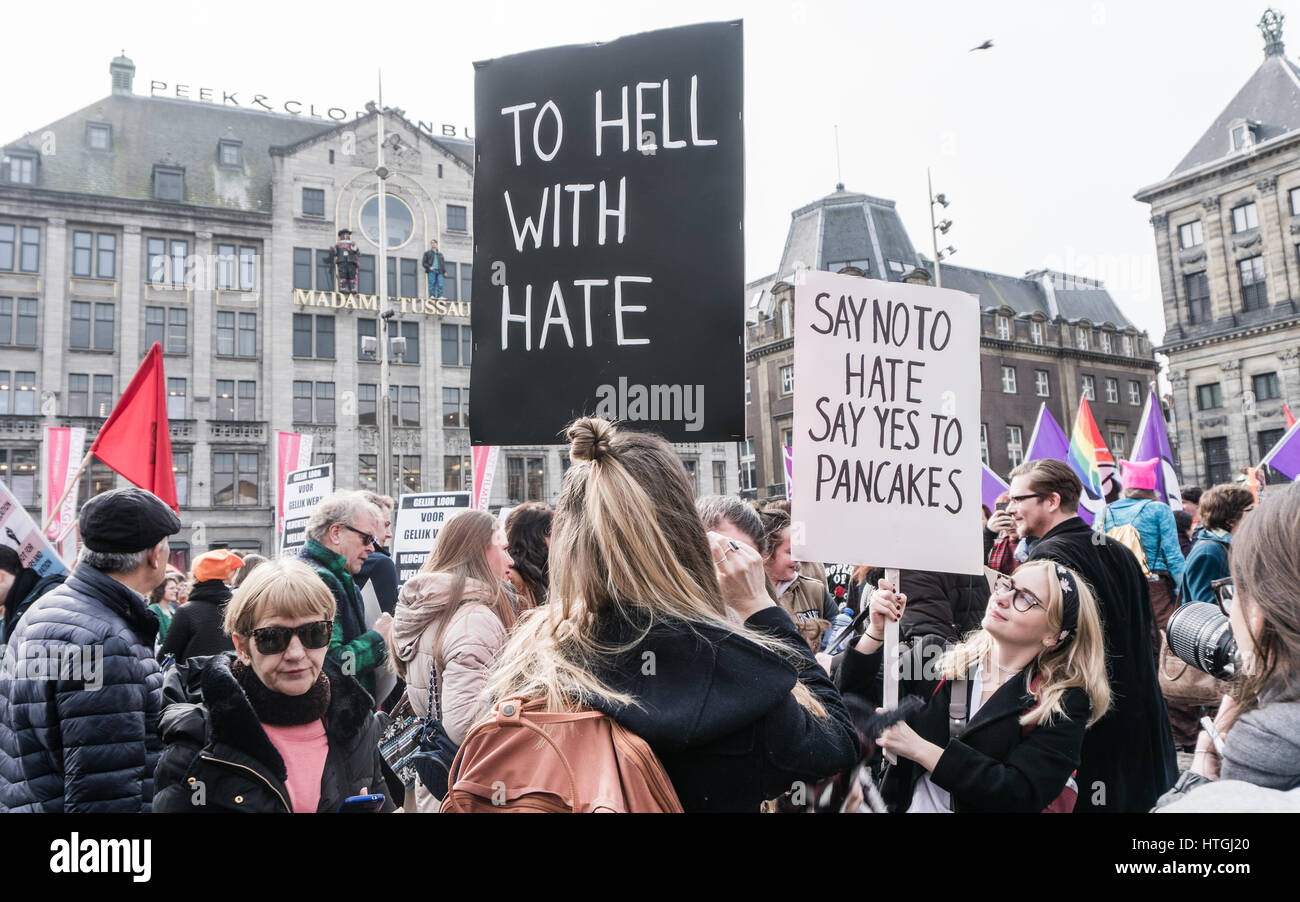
x,y
1004,328
230,154
1242,133
1083,337
99,136
168,183
20,168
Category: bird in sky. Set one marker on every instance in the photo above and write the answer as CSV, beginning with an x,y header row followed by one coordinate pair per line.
x,y
987,45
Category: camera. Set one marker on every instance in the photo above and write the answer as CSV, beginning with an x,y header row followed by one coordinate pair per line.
x,y
1201,634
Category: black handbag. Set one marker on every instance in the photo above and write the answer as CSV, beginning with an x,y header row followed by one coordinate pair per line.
x,y
432,761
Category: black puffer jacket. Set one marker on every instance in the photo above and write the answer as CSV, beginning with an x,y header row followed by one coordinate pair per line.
x,y
196,628
88,744
219,759
948,605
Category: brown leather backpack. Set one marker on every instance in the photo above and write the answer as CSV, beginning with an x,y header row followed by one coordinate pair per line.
x,y
520,759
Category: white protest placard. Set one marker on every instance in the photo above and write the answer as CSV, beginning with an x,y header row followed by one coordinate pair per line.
x,y
886,424
21,533
303,490
420,517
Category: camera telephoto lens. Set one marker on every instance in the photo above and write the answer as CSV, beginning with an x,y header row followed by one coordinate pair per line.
x,y
1200,634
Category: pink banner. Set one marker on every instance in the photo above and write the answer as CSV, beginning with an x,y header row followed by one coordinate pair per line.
x,y
293,453
485,469
64,446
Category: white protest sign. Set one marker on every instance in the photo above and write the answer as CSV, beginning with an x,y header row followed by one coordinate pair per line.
x,y
303,490
420,518
21,533
886,424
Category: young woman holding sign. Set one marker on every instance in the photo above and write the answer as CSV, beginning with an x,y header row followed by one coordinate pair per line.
x,y
1004,711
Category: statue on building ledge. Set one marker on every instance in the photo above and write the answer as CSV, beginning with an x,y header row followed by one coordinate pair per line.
x,y
345,257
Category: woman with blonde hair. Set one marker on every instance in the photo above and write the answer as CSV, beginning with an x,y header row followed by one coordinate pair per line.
x,y
1003,713
451,623
637,627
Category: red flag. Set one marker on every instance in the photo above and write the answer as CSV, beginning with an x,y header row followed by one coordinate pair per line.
x,y
1290,420
136,439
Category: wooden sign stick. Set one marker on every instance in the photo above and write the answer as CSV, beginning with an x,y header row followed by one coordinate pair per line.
x,y
891,659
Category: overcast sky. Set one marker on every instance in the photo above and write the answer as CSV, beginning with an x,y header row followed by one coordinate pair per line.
x,y
1039,143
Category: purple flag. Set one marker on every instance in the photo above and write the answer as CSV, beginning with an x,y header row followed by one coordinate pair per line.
x,y
1153,442
991,487
1285,456
1050,443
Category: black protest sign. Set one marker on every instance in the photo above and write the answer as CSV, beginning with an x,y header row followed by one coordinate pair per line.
x,y
608,254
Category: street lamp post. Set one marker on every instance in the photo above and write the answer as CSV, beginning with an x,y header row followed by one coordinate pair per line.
x,y
936,229
383,456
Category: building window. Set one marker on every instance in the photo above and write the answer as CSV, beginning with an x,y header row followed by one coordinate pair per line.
x,y
409,283
1089,388
411,332
1254,290
18,471
407,413
1112,391
747,470
366,274
1209,397
1295,201
1117,440
230,154
1265,440
78,394
227,406
82,251
235,479
313,336
28,250
175,399
787,380
749,394
322,411
1004,328
236,334
367,471
456,475
1189,234
1217,466
1134,392
1266,387
18,321
719,477
457,220
99,478
313,201
168,261
169,326
408,468
301,402
525,479
1042,386
984,443
366,328
82,335
324,271
101,398
450,280
1082,335
1015,448
302,267
1197,286
1036,332
1009,380
181,473
232,276
456,345
1128,346
455,407
247,408
1244,217
7,237
1105,342
106,256
692,467
367,405
168,183
20,168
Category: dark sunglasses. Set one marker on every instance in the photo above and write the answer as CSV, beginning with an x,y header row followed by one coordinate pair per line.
x,y
365,536
272,640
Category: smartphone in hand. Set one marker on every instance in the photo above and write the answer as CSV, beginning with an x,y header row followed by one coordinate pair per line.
x,y
367,804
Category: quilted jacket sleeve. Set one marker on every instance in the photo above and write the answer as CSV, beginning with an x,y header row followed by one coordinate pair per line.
x,y
475,638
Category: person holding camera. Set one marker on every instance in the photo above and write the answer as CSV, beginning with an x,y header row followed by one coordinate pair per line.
x,y
1254,749
1004,712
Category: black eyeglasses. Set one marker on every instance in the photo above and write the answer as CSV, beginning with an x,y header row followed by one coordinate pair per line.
x,y
1021,599
1018,499
272,640
365,536
1224,594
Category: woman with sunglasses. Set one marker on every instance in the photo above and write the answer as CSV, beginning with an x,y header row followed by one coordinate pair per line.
x,y
278,727
1003,713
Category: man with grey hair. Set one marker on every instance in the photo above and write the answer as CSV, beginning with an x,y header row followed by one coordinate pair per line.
x,y
342,531
733,518
80,691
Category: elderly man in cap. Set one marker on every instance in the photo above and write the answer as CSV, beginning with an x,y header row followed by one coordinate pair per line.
x,y
80,691
343,530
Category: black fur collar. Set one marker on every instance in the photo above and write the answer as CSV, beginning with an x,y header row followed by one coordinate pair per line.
x,y
233,722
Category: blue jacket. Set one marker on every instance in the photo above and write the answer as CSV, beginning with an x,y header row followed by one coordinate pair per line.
x,y
1207,561
1155,524
84,739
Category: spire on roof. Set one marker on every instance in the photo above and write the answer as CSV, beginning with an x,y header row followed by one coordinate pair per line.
x,y
1270,26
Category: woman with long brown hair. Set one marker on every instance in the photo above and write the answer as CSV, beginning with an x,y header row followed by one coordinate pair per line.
x,y
637,627
454,616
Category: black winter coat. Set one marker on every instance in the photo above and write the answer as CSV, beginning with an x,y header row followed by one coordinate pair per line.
x,y
27,589
219,759
379,569
1128,755
717,711
87,744
196,629
948,605
995,765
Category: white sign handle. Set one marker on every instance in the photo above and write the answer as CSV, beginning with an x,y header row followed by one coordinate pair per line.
x,y
891,659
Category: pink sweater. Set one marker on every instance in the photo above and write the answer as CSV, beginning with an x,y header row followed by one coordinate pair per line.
x,y
303,749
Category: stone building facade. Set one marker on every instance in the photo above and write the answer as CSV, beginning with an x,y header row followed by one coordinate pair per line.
x,y
1227,234
206,227
1047,337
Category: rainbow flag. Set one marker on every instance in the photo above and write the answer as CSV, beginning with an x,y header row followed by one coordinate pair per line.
x,y
1090,457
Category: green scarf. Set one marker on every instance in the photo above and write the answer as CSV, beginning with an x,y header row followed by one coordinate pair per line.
x,y
335,565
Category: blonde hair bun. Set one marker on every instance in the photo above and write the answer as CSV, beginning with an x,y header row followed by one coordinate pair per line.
x,y
590,438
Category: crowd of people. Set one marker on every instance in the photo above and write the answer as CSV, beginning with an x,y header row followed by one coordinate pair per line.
x,y
737,677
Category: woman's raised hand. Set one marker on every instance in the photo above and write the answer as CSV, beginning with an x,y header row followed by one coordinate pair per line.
x,y
740,575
